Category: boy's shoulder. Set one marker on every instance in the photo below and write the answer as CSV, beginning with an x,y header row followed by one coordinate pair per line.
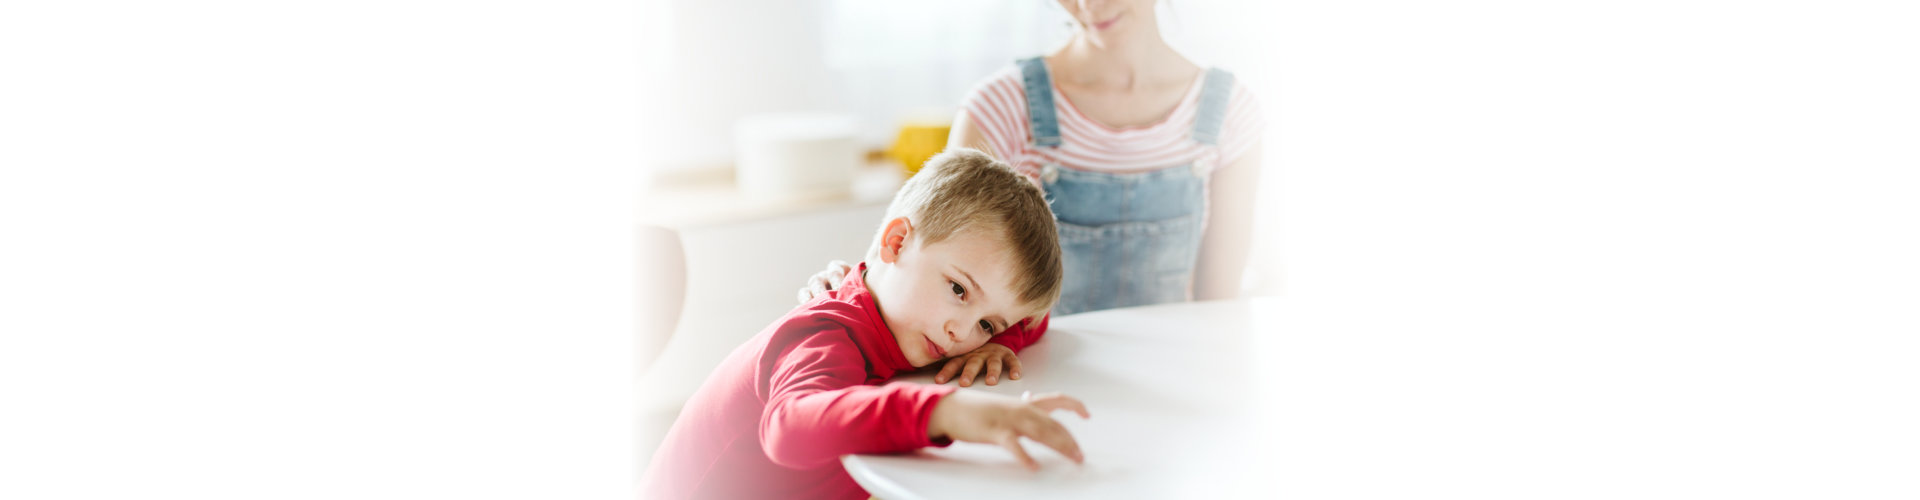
x,y
849,309
835,330
818,324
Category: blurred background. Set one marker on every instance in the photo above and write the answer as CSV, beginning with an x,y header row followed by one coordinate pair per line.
x,y
1607,181
385,248
780,130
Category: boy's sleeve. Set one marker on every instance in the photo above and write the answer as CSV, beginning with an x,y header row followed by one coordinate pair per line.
x,y
818,409
1022,334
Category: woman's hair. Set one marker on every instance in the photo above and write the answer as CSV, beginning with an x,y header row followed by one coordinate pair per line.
x,y
963,189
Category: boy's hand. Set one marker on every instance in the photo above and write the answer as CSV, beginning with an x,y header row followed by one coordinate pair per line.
x,y
824,280
982,417
990,357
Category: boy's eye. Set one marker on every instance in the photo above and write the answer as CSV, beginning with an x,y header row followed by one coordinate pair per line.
x,y
986,326
956,288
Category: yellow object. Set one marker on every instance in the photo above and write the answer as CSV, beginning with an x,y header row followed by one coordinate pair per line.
x,y
917,142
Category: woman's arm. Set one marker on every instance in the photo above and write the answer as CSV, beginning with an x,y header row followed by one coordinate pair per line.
x,y
966,134
1223,249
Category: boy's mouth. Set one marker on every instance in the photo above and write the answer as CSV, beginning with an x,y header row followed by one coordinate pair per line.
x,y
934,348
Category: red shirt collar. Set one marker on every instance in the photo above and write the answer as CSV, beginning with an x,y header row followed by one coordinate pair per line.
x,y
877,345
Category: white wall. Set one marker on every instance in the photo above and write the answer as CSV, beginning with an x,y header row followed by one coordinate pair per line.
x,y
886,61
729,58
880,61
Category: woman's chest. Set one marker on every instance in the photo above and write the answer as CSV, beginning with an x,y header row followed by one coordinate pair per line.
x,y
1124,108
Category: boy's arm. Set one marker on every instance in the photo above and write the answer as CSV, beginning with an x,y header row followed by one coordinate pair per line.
x,y
817,408
1022,334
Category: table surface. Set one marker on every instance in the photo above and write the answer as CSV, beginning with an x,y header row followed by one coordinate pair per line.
x,y
1154,431
1471,395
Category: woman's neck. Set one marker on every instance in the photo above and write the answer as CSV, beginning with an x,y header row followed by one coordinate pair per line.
x,y
1121,64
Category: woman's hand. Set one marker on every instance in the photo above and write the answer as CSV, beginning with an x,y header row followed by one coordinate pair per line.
x,y
991,356
822,281
1000,419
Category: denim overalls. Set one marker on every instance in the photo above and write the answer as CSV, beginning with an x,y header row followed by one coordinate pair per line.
x,y
1126,239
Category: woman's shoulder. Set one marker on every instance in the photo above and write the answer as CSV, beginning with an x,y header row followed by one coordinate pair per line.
x,y
1244,123
1241,98
1240,83
1002,83
1241,87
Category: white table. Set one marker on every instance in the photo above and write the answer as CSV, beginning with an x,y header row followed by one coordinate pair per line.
x,y
1166,386
1469,395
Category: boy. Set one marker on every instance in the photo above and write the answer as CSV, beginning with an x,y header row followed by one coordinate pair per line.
x,y
967,248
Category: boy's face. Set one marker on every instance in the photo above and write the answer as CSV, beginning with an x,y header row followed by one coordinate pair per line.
x,y
947,298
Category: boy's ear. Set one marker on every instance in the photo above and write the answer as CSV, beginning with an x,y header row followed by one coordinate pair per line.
x,y
894,238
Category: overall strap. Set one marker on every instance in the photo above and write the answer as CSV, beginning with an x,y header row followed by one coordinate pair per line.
x,y
1215,93
1040,110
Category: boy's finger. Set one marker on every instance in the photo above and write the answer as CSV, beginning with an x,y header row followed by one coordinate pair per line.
x,y
1013,367
946,372
1058,401
1049,432
972,369
1012,443
993,372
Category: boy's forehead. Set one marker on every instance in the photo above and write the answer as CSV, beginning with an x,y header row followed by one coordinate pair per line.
x,y
995,271
987,259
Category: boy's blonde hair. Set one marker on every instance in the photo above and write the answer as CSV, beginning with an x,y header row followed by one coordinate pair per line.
x,y
964,189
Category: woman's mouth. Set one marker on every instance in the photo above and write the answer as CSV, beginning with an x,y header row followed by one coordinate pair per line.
x,y
934,349
1103,25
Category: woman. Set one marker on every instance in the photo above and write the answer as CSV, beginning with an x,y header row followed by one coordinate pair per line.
x,y
1149,159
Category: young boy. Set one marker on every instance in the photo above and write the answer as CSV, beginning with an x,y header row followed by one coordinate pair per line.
x,y
967,248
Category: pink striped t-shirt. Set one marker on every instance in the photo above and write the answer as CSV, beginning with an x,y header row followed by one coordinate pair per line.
x,y
998,106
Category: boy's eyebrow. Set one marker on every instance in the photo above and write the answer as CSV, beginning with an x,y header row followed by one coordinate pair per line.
x,y
970,281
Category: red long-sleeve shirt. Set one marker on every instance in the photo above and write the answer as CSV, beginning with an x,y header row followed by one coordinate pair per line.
x,y
775,416
1019,336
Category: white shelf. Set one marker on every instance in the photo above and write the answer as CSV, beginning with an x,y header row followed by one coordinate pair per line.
x,y
709,197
